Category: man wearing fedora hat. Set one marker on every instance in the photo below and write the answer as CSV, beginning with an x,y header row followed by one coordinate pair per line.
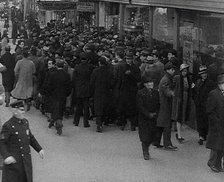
x,y
127,92
200,94
166,94
215,140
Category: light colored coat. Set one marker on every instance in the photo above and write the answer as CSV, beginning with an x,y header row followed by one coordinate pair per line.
x,y
24,71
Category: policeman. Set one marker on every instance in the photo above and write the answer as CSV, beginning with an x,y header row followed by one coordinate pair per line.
x,y
15,141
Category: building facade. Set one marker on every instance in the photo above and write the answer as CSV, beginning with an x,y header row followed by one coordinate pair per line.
x,y
192,27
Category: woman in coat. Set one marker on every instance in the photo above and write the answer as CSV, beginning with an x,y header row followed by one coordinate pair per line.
x,y
181,99
215,140
148,108
24,73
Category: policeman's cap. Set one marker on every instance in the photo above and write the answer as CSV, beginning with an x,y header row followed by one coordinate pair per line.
x,y
17,104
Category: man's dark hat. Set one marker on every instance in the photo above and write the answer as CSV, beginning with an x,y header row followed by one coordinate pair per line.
x,y
129,56
83,56
17,104
168,66
146,79
220,77
202,69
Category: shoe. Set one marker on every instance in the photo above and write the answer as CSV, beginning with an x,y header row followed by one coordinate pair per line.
x,y
170,147
214,169
200,142
59,131
180,140
122,127
147,156
51,124
133,128
76,124
158,146
7,105
86,126
99,129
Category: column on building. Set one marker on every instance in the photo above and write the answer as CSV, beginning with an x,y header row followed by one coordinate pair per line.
x,y
102,14
48,16
121,19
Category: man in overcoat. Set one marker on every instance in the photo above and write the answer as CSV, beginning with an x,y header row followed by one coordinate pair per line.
x,y
59,88
215,140
8,76
81,84
200,94
128,91
148,108
101,85
166,94
15,141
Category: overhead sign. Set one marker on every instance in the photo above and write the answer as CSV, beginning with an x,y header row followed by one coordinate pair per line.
x,y
57,5
85,6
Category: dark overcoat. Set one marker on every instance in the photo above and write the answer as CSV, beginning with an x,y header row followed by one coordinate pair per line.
x,y
215,106
16,139
101,85
177,105
118,73
128,90
59,88
47,99
200,95
147,102
81,80
165,95
8,76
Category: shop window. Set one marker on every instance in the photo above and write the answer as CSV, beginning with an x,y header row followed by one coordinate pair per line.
x,y
163,27
201,34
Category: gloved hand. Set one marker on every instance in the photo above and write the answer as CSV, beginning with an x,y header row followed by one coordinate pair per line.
x,y
41,154
10,160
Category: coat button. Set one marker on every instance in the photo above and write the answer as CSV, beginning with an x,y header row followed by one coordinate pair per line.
x,y
21,147
22,155
13,126
16,133
19,140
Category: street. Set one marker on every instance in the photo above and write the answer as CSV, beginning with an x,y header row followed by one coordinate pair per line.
x,y
83,155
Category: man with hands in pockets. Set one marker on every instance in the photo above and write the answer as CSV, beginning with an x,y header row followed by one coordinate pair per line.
x,y
15,141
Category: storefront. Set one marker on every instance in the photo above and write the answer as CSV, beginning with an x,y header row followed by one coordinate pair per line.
x,y
86,15
56,10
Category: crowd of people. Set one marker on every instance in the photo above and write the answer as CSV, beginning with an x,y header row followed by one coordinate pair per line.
x,y
94,74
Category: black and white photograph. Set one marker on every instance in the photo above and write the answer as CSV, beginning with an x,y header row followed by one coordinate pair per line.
x,y
111,90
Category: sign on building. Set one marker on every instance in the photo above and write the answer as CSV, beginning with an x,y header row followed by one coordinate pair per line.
x,y
85,6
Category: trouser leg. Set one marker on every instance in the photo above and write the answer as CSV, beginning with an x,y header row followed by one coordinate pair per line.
x,y
7,98
59,125
202,123
99,121
78,111
158,136
133,121
167,136
86,112
145,148
212,158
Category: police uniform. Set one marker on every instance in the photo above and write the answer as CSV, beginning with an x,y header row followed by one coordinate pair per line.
x,y
16,139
